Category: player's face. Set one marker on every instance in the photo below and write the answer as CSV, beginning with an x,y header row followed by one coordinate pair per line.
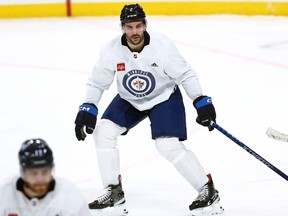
x,y
134,32
37,181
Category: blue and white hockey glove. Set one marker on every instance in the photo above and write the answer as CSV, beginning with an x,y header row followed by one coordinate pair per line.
x,y
205,110
87,117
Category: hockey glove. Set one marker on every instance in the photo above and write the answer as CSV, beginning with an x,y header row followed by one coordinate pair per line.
x,y
205,110
87,117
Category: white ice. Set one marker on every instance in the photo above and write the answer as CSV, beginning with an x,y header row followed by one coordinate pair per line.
x,y
242,62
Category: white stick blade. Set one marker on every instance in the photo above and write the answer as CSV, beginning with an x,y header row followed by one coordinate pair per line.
x,y
274,134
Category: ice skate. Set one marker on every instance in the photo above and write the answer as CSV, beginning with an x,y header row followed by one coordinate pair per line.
x,y
112,203
207,202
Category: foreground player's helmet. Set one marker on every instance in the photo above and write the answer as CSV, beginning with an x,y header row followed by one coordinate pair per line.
x,y
132,12
35,153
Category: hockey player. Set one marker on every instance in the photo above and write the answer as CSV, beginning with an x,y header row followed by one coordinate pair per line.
x,y
148,70
37,192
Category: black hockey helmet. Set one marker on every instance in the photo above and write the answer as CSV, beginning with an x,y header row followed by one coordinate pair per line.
x,y
35,153
132,12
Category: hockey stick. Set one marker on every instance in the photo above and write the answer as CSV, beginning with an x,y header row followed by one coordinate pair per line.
x,y
276,135
250,151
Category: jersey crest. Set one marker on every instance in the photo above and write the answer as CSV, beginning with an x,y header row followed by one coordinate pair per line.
x,y
139,83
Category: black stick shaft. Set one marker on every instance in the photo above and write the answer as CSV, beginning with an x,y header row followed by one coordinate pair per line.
x,y
250,151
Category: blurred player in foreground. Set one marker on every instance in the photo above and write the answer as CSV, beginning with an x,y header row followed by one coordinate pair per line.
x,y
37,192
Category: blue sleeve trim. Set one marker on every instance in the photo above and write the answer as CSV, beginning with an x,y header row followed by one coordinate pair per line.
x,y
203,102
88,108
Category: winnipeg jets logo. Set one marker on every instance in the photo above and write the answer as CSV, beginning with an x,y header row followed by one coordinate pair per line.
x,y
139,83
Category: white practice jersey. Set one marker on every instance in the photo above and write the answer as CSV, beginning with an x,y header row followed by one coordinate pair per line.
x,y
64,200
144,79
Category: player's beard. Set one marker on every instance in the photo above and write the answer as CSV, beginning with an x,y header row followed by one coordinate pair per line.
x,y
38,189
139,38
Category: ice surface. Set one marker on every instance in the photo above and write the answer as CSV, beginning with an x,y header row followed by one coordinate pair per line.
x,y
242,63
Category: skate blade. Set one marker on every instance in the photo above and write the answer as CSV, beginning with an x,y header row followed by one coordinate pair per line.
x,y
214,209
119,210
